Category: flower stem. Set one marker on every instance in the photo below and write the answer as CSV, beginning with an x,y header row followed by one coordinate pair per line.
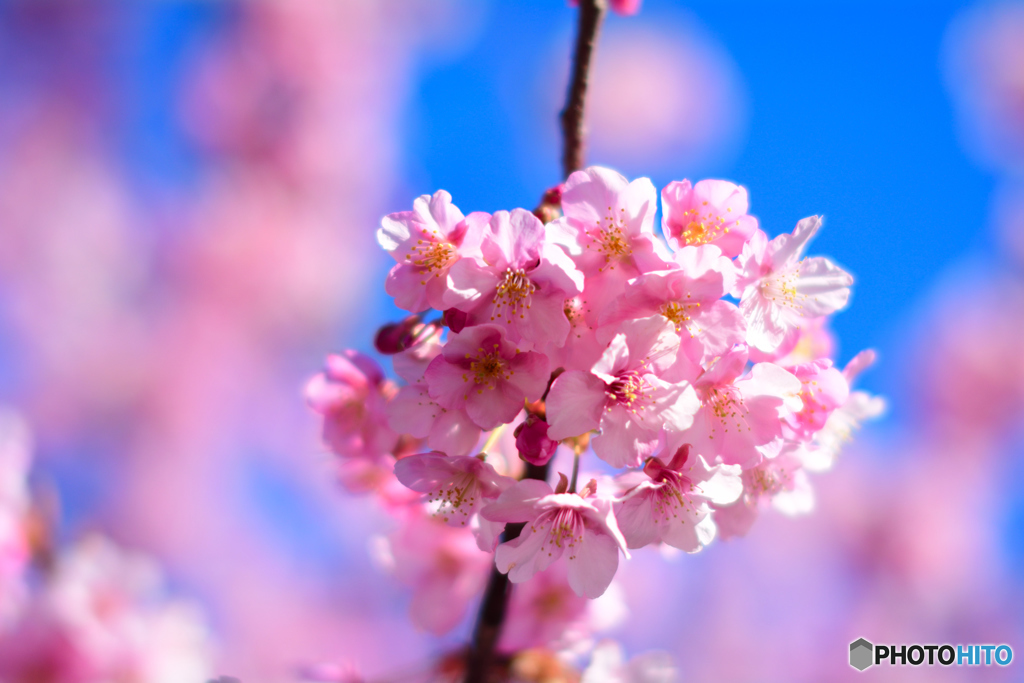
x,y
575,471
492,438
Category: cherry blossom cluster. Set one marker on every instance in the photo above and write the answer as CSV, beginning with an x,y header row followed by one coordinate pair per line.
x,y
689,369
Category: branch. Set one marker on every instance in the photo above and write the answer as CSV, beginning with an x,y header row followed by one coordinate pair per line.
x,y
573,125
492,609
495,602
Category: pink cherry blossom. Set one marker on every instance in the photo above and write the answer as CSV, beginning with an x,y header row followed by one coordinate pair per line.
x,y
441,564
608,224
456,487
484,373
583,347
710,212
416,413
520,281
738,417
672,506
412,411
689,297
824,390
812,340
426,242
820,454
780,481
624,396
544,612
608,229
377,476
779,288
558,524
352,395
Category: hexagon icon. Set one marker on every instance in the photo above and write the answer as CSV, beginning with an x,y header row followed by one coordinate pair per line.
x,y
861,652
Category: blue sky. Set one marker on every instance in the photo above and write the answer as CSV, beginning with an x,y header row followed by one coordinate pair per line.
x,y
848,116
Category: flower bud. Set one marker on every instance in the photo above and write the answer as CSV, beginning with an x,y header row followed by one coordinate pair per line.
x,y
397,337
550,207
455,319
532,441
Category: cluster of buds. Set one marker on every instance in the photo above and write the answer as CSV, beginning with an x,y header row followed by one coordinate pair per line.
x,y
692,363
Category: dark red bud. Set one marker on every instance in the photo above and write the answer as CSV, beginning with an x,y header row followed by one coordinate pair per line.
x,y
455,319
554,194
550,207
401,336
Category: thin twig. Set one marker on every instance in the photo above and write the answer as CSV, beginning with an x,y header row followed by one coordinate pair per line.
x,y
573,122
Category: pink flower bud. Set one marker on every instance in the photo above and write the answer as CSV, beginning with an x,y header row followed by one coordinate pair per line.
x,y
533,443
626,7
455,319
397,337
550,207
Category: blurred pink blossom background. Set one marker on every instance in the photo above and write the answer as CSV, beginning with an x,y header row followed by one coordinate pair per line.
x,y
156,330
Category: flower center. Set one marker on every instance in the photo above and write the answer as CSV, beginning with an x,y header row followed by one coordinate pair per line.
x,y
780,288
513,294
728,408
701,229
627,389
433,256
489,368
456,497
611,238
769,480
672,501
678,313
575,312
565,530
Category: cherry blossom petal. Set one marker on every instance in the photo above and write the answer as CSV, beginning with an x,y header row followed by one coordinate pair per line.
x,y
822,287
468,282
412,411
787,249
521,557
516,504
453,432
593,566
625,439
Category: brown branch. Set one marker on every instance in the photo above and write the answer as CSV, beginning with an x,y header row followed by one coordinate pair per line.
x,y
480,659
573,123
495,603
